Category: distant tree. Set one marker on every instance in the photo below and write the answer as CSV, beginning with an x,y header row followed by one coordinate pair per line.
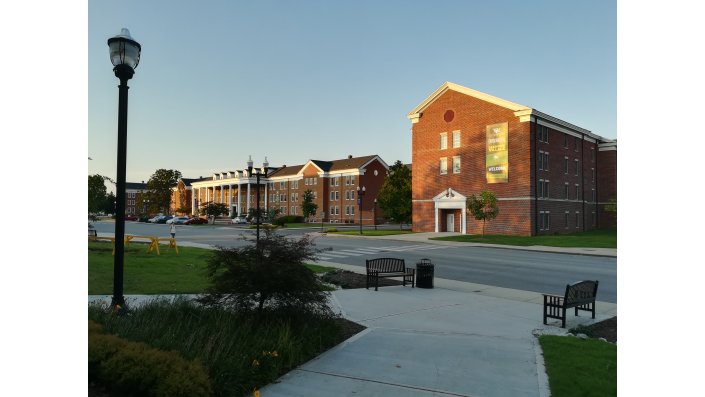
x,y
211,209
109,206
483,208
97,193
395,196
611,206
308,207
159,189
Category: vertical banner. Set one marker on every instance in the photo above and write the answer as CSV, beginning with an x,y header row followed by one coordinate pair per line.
x,y
497,156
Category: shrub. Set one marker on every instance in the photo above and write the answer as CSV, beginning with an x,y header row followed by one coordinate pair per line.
x,y
283,220
269,276
332,230
134,368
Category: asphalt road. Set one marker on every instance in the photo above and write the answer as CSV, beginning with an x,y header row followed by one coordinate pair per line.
x,y
516,269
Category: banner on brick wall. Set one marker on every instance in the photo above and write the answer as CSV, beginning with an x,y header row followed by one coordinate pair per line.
x,y
496,156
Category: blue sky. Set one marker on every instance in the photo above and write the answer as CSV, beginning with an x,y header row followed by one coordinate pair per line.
x,y
294,80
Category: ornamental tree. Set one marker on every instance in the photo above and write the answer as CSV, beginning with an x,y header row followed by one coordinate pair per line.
x,y
308,207
395,196
483,208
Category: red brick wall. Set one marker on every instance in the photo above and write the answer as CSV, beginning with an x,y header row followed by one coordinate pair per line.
x,y
471,116
607,185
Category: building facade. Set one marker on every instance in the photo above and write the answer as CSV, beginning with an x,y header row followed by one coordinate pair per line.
x,y
333,183
549,176
133,198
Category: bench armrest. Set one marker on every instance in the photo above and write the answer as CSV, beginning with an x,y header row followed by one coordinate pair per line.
x,y
552,300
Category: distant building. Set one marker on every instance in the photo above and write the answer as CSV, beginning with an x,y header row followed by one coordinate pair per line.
x,y
334,184
133,197
549,176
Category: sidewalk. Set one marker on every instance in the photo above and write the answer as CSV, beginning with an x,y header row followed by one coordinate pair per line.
x,y
424,238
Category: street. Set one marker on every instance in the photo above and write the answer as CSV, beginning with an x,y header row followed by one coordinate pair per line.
x,y
516,269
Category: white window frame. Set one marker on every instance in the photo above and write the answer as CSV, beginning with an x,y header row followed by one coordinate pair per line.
x,y
456,167
443,166
566,220
456,139
444,141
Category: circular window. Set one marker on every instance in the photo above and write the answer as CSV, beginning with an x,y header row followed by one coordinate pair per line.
x,y
449,116
376,172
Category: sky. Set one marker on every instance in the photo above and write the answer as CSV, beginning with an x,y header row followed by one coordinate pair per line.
x,y
217,78
219,81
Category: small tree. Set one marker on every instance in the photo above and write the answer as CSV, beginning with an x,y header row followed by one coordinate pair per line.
x,y
159,188
268,276
211,209
308,207
97,193
611,206
483,208
395,196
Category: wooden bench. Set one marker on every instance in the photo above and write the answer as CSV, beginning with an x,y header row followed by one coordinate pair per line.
x,y
579,295
388,267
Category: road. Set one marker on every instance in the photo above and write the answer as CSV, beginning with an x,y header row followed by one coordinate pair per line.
x,y
516,269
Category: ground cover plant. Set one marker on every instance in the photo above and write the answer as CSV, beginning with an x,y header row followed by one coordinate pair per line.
x,y
600,238
240,351
580,367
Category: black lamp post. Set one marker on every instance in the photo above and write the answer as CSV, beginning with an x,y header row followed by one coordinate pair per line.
x,y
374,212
360,193
258,174
125,56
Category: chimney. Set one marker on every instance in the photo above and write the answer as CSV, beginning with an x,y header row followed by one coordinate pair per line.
x,y
349,156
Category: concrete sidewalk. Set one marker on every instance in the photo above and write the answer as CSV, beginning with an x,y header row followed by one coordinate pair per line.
x,y
431,342
424,238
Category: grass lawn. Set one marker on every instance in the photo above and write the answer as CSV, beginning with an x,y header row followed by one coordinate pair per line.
x,y
603,238
144,273
580,367
366,232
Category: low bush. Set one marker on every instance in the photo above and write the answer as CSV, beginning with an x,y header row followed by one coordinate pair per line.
x,y
331,230
283,220
136,369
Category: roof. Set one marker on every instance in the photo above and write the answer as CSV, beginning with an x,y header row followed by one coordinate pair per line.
x,y
328,166
135,186
286,171
525,113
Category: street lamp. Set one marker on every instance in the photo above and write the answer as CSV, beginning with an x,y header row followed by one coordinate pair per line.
x,y
374,212
360,193
125,56
258,174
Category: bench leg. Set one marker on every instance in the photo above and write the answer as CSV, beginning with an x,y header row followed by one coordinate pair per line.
x,y
377,283
563,318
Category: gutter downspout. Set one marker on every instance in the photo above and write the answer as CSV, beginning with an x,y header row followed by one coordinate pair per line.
x,y
534,152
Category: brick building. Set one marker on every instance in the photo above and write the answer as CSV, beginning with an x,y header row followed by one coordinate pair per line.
x,y
133,197
549,176
334,184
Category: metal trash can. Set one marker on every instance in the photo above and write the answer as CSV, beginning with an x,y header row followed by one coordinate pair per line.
x,y
424,273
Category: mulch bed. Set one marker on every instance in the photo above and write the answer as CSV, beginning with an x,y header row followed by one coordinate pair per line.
x,y
604,329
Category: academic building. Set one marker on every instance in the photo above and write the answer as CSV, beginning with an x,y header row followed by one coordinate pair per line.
x,y
548,175
334,185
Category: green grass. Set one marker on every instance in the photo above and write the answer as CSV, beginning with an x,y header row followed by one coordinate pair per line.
x,y
580,367
240,351
374,232
150,274
602,238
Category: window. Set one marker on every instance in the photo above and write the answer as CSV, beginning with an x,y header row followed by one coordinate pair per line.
x,y
335,181
293,210
565,220
594,196
542,133
444,165
544,220
347,210
592,154
543,160
282,210
456,139
577,191
456,164
332,210
352,210
577,166
565,191
577,219
444,140
565,140
594,218
592,171
543,188
282,185
575,143
334,196
565,165
295,184
540,160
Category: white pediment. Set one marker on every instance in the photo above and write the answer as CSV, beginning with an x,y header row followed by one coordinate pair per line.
x,y
449,195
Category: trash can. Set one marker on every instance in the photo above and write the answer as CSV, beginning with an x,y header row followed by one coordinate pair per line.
x,y
424,273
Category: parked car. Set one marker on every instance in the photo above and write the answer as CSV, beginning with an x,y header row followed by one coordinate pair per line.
x,y
163,219
196,221
131,217
179,220
240,220
155,218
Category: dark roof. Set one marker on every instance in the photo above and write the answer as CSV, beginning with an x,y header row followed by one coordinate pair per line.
x,y
326,166
189,181
135,186
286,171
350,162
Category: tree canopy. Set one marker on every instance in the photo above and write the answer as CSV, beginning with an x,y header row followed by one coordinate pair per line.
x,y
483,208
212,209
395,196
159,188
97,193
308,207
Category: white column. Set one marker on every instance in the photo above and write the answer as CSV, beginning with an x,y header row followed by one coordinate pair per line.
x,y
193,200
208,192
239,206
230,200
222,199
248,197
436,218
266,197
463,219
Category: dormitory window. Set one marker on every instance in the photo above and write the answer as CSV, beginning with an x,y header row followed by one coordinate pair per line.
x,y
282,185
295,184
592,170
565,140
444,140
565,165
594,196
565,219
565,191
544,220
577,219
456,164
543,188
543,133
456,139
577,166
577,191
444,166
